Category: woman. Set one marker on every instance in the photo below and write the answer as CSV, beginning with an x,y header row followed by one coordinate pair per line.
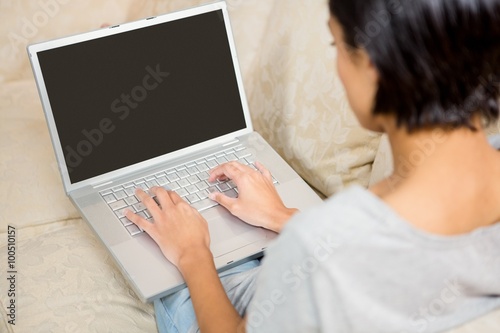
x,y
418,252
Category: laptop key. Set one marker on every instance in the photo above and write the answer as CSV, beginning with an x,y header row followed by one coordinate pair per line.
x,y
183,174
221,160
118,204
172,186
203,167
243,153
231,157
130,191
212,163
201,185
131,200
223,187
173,177
193,170
162,181
133,229
106,192
139,207
183,183
192,198
204,175
120,195
182,192
125,221
213,189
119,213
109,198
193,179
151,183
203,194
192,189
204,204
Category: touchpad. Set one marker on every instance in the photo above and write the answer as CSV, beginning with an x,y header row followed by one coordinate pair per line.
x,y
228,233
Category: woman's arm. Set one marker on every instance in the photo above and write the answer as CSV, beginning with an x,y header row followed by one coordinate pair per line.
x,y
183,237
213,309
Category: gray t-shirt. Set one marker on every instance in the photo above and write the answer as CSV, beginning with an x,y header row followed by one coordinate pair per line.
x,y
353,265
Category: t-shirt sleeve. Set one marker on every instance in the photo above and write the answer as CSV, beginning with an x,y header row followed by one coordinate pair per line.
x,y
283,301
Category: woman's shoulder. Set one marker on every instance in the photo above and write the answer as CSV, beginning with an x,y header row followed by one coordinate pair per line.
x,y
353,205
347,217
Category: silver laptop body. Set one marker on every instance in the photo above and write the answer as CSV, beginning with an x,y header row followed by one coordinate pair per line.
x,y
136,100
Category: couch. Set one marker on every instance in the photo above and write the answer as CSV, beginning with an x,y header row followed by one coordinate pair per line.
x,y
65,281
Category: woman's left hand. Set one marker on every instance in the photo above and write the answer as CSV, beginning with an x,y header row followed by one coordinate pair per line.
x,y
178,229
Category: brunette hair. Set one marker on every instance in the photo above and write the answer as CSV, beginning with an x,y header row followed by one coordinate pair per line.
x,y
438,60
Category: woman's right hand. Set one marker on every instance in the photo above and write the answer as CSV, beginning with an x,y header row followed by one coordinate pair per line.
x,y
258,203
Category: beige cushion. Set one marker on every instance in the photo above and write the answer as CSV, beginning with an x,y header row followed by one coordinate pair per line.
x,y
32,192
33,21
68,282
298,103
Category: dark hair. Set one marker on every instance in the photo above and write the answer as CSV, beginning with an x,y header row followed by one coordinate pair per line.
x,y
439,60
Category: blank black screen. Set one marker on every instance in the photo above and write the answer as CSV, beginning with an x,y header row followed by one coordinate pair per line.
x,y
126,98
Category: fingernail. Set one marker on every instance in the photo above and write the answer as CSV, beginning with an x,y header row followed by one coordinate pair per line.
x,y
212,196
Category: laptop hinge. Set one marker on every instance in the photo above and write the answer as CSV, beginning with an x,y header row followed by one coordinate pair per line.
x,y
231,143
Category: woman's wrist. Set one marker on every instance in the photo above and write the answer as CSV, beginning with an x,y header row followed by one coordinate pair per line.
x,y
281,218
192,259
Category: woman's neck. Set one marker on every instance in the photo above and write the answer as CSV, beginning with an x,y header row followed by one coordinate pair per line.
x,y
445,182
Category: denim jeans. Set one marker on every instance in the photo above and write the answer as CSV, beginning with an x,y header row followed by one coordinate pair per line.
x,y
175,313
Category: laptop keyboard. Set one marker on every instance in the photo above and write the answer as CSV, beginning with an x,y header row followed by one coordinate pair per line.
x,y
189,180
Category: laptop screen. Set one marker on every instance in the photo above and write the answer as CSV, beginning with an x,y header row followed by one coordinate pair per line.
x,y
133,96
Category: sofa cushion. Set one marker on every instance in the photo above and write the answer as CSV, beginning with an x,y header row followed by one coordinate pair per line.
x,y
32,191
298,103
67,282
33,21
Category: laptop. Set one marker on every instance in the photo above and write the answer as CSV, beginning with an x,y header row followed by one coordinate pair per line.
x,y
157,102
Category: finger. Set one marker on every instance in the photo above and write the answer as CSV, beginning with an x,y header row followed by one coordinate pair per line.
x,y
139,221
223,200
163,197
149,202
265,172
230,170
176,198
